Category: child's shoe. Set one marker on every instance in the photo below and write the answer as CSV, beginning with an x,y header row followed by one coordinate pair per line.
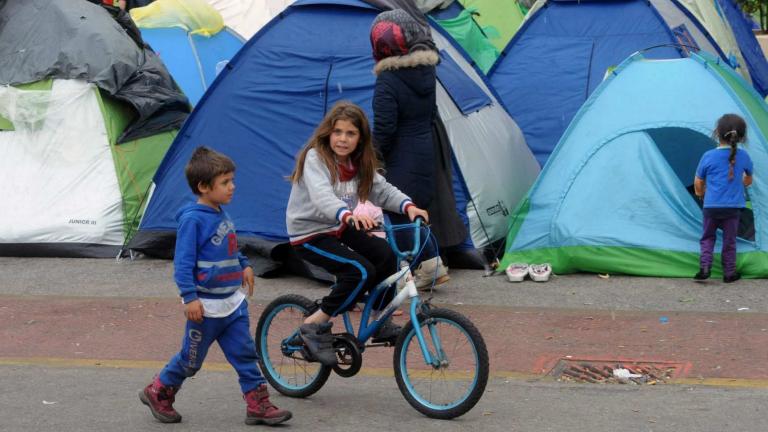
x,y
388,332
702,275
261,410
319,342
732,278
540,272
516,272
159,398
430,270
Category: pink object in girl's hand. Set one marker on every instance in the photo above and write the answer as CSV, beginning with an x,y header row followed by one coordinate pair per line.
x,y
374,212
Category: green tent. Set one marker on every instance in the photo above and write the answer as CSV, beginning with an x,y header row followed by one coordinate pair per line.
x,y
498,19
468,34
78,192
482,27
83,127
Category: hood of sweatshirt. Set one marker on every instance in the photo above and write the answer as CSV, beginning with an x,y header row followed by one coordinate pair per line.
x,y
196,208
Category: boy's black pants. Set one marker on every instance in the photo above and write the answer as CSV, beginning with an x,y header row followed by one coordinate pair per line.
x,y
358,261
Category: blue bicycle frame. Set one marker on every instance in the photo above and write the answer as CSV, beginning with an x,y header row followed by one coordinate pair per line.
x,y
367,329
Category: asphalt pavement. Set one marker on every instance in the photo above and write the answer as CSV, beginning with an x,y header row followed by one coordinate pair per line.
x,y
80,337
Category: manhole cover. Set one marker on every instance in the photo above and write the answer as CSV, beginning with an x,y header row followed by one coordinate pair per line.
x,y
615,372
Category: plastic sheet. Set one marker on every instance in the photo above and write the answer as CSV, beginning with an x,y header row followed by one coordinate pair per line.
x,y
58,169
97,50
194,16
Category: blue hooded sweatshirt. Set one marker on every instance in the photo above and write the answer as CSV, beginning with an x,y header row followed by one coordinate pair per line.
x,y
207,263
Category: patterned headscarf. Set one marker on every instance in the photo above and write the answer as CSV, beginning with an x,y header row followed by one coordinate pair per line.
x,y
395,33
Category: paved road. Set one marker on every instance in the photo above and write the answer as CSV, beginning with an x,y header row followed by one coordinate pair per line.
x,y
87,334
40,398
153,278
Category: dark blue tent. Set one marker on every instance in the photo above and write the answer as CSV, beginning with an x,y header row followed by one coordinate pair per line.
x,y
565,48
748,44
268,100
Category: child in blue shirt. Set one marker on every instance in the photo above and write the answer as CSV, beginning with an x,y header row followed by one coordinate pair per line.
x,y
721,177
209,271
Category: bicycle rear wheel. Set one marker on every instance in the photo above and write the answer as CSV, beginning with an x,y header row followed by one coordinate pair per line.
x,y
457,383
288,373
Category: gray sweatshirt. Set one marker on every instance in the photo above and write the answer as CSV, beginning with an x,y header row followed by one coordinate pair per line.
x,y
316,206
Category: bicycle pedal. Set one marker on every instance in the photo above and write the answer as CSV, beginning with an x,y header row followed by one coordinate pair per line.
x,y
380,345
383,342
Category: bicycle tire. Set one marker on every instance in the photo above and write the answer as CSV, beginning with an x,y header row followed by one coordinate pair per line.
x,y
404,381
282,385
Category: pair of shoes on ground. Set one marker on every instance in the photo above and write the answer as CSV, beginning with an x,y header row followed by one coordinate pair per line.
x,y
704,274
260,410
516,272
428,271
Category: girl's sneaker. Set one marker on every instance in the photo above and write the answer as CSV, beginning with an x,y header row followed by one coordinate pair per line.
x,y
540,272
516,272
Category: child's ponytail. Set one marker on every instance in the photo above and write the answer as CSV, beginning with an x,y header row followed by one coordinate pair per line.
x,y
731,129
731,138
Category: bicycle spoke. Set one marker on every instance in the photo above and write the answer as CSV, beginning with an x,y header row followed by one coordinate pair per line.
x,y
290,370
455,377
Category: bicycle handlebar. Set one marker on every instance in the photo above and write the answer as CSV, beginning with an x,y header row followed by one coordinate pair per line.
x,y
390,229
416,225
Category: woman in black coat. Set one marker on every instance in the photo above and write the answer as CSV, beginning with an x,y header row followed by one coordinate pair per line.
x,y
404,110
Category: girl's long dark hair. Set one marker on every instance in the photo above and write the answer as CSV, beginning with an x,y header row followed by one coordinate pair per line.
x,y
731,129
364,156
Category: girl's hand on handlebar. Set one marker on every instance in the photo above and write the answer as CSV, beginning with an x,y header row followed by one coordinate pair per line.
x,y
414,212
362,222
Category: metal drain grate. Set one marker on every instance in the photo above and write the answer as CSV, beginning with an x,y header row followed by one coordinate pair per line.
x,y
615,372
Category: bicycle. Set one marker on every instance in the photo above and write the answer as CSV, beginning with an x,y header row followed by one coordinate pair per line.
x,y
420,355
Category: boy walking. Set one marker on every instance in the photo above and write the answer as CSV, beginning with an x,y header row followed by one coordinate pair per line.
x,y
209,272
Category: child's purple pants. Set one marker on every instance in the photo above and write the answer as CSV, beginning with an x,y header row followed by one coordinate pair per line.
x,y
728,221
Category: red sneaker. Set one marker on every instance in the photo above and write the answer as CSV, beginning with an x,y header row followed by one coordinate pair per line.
x,y
261,410
159,398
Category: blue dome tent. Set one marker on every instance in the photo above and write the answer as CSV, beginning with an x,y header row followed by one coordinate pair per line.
x,y
615,196
564,49
742,27
271,96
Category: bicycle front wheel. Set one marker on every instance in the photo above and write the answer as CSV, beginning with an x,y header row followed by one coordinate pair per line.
x,y
287,370
456,380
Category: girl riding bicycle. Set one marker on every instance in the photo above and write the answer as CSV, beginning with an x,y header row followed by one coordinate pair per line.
x,y
336,170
